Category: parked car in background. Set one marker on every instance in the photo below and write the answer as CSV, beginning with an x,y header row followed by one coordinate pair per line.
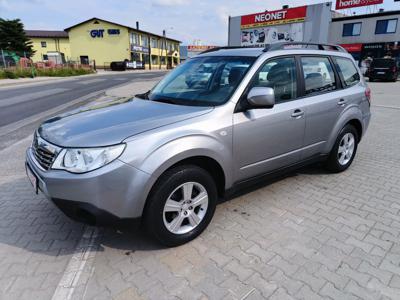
x,y
222,119
383,69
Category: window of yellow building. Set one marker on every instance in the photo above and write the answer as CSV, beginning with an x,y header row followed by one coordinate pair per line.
x,y
134,38
154,43
145,41
154,60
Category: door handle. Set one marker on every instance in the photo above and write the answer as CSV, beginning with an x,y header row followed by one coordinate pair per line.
x,y
342,102
297,114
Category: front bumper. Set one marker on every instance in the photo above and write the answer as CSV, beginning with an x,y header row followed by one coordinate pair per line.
x,y
117,190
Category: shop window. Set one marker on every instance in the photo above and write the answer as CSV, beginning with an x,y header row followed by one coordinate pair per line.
x,y
43,44
352,29
386,26
154,60
163,60
135,56
146,58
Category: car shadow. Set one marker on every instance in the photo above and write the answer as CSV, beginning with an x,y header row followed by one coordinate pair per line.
x,y
313,169
34,223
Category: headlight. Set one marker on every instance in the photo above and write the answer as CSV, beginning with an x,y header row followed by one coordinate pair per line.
x,y
81,160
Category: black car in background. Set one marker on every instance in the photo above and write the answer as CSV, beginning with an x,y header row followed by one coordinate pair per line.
x,y
383,69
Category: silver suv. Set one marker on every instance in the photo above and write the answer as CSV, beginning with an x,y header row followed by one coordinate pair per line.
x,y
222,119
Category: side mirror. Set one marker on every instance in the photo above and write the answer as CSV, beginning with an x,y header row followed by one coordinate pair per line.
x,y
261,97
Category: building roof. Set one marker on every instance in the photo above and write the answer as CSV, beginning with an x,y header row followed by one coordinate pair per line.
x,y
130,28
46,33
366,16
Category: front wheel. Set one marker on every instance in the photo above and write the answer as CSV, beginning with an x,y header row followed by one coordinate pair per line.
x,y
180,205
344,150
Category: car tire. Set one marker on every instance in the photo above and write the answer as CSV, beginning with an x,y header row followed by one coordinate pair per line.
x,y
175,218
344,150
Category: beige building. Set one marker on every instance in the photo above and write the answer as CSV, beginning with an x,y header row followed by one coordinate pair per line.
x,y
102,42
50,45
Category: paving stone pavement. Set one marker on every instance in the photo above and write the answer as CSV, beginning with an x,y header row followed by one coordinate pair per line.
x,y
309,235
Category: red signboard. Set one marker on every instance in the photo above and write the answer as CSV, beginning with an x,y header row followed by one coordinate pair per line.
x,y
282,16
199,48
352,47
342,4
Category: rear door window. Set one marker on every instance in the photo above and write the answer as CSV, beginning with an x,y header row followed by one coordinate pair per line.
x,y
319,76
347,71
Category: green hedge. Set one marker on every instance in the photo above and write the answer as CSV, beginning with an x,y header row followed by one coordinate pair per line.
x,y
53,72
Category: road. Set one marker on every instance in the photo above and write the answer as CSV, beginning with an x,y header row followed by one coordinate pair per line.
x,y
23,108
17,103
309,235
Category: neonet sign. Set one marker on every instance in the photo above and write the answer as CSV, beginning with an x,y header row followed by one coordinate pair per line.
x,y
282,16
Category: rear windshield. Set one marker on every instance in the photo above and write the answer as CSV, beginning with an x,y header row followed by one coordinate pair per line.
x,y
383,63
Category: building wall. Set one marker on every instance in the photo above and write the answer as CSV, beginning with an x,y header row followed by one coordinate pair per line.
x,y
159,51
101,49
52,44
367,31
316,25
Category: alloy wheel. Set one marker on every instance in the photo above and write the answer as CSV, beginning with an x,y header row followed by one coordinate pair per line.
x,y
346,148
185,208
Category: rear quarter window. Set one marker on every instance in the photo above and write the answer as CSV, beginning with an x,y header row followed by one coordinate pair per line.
x,y
347,71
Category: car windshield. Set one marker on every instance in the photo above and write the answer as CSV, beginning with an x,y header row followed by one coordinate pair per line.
x,y
383,63
202,81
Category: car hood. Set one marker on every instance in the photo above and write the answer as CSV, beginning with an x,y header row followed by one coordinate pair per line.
x,y
111,123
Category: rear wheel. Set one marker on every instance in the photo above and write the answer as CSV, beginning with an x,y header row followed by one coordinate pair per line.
x,y
344,150
181,205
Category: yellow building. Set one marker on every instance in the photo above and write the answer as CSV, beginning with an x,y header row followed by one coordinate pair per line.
x,y
104,42
50,45
100,42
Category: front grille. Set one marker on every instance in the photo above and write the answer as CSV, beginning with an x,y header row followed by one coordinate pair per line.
x,y
43,151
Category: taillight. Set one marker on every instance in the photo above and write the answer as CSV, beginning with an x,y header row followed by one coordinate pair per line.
x,y
368,95
394,69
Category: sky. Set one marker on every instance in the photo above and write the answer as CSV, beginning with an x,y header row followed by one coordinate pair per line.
x,y
185,20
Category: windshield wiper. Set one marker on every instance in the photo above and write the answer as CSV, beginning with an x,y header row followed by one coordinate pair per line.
x,y
144,96
164,100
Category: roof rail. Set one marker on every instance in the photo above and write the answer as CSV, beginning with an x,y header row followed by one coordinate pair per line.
x,y
226,48
293,45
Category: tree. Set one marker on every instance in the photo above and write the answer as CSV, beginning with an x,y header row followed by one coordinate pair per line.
x,y
13,37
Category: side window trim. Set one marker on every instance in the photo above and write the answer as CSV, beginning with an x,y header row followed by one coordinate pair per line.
x,y
239,107
338,83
